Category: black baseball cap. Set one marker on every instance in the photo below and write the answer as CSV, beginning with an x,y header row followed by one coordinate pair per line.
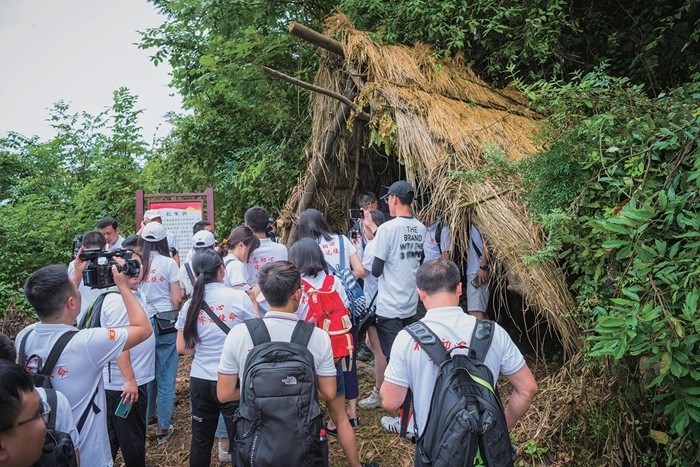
x,y
401,189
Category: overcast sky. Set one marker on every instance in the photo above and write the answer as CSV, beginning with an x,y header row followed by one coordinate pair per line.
x,y
78,51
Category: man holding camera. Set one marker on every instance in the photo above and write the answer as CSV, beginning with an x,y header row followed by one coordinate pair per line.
x,y
78,371
92,240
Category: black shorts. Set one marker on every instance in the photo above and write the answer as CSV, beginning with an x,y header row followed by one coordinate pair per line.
x,y
388,329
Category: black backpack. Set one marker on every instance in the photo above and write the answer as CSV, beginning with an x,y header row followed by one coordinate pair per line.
x,y
93,315
466,423
58,446
279,421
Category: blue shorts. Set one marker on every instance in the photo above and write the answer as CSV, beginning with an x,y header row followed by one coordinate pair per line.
x,y
339,380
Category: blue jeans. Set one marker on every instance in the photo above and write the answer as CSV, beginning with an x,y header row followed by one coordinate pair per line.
x,y
161,391
221,428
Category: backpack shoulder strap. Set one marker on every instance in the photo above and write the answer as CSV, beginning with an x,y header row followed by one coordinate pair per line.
x,y
22,344
190,274
302,333
52,400
481,339
93,316
341,253
91,406
258,331
56,351
226,263
428,341
328,283
214,317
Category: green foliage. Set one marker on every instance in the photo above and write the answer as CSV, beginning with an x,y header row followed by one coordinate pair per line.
x,y
619,190
651,42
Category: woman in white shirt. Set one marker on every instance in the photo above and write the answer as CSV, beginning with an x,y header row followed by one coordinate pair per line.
x,y
203,325
239,246
160,289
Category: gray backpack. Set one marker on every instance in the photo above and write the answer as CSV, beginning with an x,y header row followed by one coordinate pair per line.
x,y
279,421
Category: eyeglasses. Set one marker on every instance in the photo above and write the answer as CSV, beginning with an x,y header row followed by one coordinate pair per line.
x,y
44,412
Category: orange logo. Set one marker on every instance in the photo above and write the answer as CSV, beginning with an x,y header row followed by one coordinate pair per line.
x,y
111,334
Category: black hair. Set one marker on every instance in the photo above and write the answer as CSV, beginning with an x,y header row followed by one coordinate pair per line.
x,y
146,247
47,290
365,198
205,265
199,225
377,217
278,281
312,224
307,255
438,275
241,234
257,219
130,241
14,380
7,348
107,222
94,239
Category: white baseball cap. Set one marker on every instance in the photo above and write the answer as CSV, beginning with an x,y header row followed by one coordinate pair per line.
x,y
153,232
203,239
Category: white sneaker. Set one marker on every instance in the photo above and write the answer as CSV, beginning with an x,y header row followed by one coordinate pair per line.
x,y
393,425
163,438
373,401
223,455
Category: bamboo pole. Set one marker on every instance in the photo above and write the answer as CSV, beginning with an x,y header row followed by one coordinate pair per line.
x,y
311,87
316,38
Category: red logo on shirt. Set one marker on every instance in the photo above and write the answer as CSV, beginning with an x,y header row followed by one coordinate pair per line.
x,y
111,334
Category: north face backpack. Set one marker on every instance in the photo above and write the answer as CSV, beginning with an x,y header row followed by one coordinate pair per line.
x,y
326,306
466,423
279,420
356,297
58,450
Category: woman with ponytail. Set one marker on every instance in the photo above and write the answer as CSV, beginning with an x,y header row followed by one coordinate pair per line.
x,y
239,246
202,327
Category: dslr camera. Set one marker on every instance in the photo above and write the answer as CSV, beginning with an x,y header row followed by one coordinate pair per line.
x,y
98,274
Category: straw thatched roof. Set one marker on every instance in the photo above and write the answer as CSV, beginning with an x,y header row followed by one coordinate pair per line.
x,y
440,126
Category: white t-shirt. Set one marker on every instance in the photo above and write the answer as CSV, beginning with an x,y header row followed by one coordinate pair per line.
x,y
87,295
267,252
155,289
370,282
236,274
399,243
430,247
410,367
64,417
185,282
78,372
172,241
331,250
232,307
143,356
317,282
117,244
280,326
473,259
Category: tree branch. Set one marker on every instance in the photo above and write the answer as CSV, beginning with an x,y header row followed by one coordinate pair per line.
x,y
316,38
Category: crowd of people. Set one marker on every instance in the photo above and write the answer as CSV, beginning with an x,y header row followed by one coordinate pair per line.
x,y
115,375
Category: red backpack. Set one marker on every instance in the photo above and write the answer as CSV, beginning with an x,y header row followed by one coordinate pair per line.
x,y
326,306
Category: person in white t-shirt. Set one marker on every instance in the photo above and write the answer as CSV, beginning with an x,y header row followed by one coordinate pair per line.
x,y
110,229
257,219
477,275
198,227
240,246
78,371
126,379
92,240
398,254
202,240
280,282
160,289
439,287
153,215
202,334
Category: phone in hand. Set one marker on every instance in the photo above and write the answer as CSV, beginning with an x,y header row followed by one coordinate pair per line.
x,y
123,409
356,214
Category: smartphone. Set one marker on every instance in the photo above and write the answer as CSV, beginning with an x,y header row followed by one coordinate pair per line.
x,y
123,409
356,214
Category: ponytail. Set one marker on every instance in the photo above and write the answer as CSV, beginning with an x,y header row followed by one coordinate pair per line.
x,y
206,265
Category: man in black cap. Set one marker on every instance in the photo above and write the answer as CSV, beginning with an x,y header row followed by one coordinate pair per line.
x,y
398,254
